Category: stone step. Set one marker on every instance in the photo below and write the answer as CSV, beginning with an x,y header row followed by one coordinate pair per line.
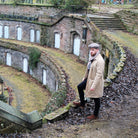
x,y
58,114
112,24
107,23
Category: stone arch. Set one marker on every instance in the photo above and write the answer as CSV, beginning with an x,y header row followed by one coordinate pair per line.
x,y
32,34
8,59
6,31
75,43
37,36
1,30
57,40
44,76
19,32
25,65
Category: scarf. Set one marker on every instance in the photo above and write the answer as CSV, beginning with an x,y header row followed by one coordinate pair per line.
x,y
91,59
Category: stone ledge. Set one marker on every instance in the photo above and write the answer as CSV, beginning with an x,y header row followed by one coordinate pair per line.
x,y
57,114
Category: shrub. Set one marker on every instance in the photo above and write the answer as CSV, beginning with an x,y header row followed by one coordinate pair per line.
x,y
34,55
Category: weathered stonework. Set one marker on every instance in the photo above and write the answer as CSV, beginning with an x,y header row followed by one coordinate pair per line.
x,y
28,10
55,75
68,27
26,27
129,19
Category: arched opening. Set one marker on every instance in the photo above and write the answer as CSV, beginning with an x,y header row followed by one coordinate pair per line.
x,y
19,33
32,35
1,31
56,85
57,40
44,77
37,36
6,32
25,65
8,59
76,45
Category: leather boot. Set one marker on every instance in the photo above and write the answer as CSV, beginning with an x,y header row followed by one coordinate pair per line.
x,y
78,104
92,117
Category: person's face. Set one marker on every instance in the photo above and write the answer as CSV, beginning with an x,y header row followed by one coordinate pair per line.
x,y
93,51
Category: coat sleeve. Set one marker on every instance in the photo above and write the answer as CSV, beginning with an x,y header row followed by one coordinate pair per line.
x,y
99,73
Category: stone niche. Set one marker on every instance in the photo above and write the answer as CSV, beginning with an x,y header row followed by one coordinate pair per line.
x,y
21,31
19,60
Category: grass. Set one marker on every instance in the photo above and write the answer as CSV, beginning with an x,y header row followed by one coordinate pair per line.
x,y
74,69
28,94
126,39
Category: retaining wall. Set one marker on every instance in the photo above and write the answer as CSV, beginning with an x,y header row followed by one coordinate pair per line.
x,y
129,19
56,81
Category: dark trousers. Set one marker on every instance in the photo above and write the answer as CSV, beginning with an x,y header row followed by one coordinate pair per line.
x,y
81,88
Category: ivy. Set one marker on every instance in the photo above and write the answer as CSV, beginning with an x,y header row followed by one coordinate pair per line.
x,y
34,55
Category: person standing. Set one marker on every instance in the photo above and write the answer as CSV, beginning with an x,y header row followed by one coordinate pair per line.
x,y
93,80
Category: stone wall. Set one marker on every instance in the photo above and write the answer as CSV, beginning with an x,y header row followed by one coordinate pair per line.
x,y
56,77
17,57
26,27
28,10
129,19
67,27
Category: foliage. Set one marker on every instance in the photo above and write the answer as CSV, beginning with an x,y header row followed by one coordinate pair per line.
x,y
1,80
16,2
56,3
77,4
34,55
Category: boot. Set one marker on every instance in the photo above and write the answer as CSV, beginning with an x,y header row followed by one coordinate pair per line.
x,y
92,117
78,104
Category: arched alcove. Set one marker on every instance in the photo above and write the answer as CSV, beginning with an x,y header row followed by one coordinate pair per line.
x,y
76,44
1,31
6,32
57,40
44,77
19,33
37,36
25,65
8,59
32,35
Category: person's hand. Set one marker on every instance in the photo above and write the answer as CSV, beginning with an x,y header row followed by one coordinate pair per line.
x,y
83,79
91,89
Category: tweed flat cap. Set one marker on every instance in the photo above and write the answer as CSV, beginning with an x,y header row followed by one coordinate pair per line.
x,y
94,45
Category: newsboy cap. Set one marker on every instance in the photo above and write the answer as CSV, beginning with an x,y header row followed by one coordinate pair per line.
x,y
94,45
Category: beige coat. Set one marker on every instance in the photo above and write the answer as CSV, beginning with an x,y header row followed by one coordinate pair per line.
x,y
95,78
